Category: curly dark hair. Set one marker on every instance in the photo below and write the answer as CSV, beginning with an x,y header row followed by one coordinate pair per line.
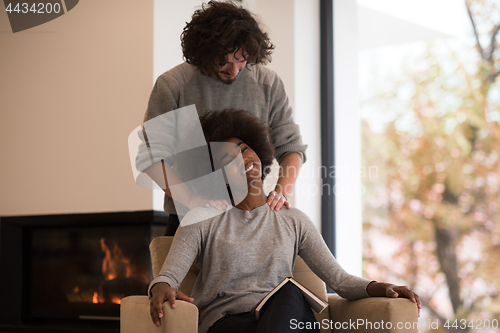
x,y
219,126
220,28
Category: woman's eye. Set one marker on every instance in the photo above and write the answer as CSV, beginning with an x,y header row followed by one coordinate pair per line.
x,y
244,149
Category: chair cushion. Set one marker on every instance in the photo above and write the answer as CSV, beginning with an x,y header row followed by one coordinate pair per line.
x,y
303,274
159,248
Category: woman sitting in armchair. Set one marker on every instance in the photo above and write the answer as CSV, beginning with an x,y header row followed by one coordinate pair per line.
x,y
246,250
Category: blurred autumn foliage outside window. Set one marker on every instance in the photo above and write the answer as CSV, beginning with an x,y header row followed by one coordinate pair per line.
x,y
431,129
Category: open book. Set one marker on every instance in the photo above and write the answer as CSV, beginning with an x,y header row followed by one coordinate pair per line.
x,y
315,302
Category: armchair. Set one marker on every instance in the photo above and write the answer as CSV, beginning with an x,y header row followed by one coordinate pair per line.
x,y
341,315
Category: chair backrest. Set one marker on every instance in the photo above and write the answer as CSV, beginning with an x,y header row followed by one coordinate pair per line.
x,y
160,246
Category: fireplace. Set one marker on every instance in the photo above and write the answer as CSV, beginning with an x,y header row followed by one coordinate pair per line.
x,y
68,273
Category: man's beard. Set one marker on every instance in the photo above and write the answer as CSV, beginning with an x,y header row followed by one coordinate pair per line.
x,y
227,80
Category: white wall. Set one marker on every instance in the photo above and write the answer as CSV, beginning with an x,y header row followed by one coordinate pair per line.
x,y
307,105
347,138
71,90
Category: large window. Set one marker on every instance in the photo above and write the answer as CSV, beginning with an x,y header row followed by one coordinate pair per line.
x,y
428,77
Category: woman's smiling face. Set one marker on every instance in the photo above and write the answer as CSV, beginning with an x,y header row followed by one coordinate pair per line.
x,y
250,163
240,164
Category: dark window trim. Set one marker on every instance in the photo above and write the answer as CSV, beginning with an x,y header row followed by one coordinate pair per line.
x,y
327,124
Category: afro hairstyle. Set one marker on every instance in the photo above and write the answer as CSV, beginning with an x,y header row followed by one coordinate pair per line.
x,y
219,126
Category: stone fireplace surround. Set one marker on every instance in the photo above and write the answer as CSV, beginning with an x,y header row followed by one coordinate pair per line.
x,y
15,262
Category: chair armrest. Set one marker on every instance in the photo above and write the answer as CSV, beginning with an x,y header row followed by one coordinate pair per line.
x,y
373,314
134,317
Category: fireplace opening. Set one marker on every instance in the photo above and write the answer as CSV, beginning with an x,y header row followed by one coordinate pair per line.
x,y
68,273
85,272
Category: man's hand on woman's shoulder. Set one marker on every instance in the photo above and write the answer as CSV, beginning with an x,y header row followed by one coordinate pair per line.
x,y
276,200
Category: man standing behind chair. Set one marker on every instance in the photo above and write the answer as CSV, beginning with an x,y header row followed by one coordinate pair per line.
x,y
224,51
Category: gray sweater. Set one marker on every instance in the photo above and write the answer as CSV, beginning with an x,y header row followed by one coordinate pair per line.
x,y
242,255
259,91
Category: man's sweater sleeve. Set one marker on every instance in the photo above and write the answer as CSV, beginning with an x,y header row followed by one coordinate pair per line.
x,y
285,132
317,256
161,101
163,98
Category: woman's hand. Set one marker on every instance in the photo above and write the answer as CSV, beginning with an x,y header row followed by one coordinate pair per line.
x,y
403,291
392,291
276,200
162,292
202,202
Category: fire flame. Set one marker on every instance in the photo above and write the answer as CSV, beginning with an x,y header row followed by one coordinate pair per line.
x,y
116,300
114,265
95,299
